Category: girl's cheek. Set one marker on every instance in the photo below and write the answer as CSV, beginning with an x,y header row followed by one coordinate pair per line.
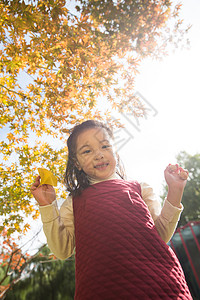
x,y
86,161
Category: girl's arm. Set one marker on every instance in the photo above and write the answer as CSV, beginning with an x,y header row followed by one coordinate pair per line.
x,y
58,225
176,179
167,221
167,217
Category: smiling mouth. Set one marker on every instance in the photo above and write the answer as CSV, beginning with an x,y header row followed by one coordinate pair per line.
x,y
101,166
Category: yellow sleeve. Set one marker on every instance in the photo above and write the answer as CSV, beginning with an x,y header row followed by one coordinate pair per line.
x,y
165,218
58,226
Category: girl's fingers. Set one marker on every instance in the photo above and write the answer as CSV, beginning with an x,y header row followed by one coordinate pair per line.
x,y
183,174
176,169
36,183
173,168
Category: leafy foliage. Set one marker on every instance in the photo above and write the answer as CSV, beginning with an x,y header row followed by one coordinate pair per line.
x,y
40,275
191,195
55,64
48,279
13,262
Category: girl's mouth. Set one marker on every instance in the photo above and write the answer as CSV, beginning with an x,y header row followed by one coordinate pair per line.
x,y
101,166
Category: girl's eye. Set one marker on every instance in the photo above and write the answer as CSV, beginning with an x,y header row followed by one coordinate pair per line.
x,y
105,146
86,151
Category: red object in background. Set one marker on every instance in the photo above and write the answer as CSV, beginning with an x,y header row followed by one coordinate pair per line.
x,y
186,244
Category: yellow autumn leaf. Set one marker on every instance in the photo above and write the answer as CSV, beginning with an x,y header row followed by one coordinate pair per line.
x,y
47,177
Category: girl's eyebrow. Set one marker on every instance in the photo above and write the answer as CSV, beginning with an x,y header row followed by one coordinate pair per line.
x,y
86,145
105,140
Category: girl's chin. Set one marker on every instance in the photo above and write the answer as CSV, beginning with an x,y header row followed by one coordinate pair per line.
x,y
102,176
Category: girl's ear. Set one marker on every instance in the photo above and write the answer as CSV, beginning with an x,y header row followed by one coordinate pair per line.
x,y
78,165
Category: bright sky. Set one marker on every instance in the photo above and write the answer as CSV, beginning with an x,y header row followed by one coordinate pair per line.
x,y
172,88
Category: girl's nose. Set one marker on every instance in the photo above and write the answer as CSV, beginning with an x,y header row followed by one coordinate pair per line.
x,y
99,155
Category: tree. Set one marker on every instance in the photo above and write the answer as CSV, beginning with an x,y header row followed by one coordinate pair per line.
x,y
11,259
13,263
40,275
191,195
48,279
55,64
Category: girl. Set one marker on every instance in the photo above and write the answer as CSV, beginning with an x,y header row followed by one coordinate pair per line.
x,y
117,226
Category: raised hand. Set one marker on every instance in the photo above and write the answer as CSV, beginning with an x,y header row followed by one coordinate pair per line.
x,y
176,178
44,194
175,175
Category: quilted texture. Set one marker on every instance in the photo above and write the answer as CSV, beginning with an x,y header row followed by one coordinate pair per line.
x,y
119,254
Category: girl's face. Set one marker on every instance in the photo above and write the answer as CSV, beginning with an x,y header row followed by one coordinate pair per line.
x,y
95,154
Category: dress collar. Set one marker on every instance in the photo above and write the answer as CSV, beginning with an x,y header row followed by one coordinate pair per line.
x,y
113,176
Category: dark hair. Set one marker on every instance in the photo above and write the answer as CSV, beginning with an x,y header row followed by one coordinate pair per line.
x,y
75,180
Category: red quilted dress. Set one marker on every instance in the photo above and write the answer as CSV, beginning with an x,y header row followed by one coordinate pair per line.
x,y
119,254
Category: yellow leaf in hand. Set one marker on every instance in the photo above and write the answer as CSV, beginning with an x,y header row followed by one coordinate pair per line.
x,y
47,177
